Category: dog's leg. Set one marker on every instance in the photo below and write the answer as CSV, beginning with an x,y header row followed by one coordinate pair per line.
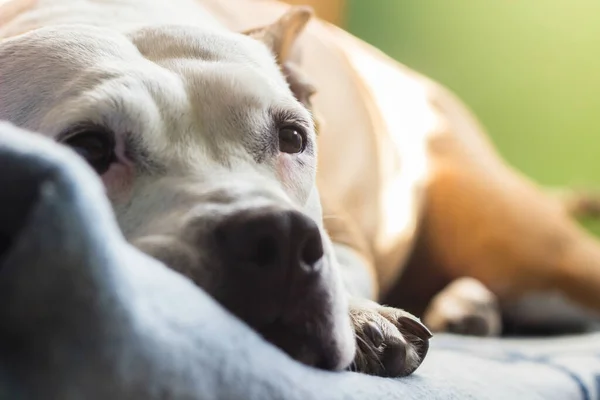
x,y
352,251
515,245
466,307
578,274
487,221
390,342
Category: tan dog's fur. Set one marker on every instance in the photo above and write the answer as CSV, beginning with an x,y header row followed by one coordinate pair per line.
x,y
411,188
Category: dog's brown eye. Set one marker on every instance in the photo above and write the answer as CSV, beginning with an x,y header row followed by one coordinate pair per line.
x,y
96,145
291,140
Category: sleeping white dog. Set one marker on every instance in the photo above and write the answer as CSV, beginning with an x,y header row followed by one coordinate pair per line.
x,y
208,158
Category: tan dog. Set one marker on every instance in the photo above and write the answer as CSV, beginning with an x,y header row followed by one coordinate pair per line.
x,y
209,159
400,162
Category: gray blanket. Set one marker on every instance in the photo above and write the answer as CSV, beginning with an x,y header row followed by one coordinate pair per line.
x,y
83,315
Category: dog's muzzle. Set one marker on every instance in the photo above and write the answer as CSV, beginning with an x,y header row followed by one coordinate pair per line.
x,y
267,263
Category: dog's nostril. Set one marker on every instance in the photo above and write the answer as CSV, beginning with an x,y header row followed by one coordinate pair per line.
x,y
312,250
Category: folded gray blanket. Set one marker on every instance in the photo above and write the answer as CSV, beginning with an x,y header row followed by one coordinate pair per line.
x,y
83,315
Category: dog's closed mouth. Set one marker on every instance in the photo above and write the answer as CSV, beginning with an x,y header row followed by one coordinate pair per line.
x,y
301,329
300,345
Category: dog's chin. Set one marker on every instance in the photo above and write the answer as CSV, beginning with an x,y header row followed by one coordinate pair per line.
x,y
315,350
314,329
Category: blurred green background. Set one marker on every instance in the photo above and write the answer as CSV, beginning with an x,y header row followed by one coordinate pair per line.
x,y
530,70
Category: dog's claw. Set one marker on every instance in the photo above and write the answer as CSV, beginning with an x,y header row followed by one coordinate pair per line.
x,y
373,332
394,358
410,324
413,324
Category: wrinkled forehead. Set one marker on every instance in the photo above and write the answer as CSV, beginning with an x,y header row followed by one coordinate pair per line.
x,y
171,83
234,89
205,60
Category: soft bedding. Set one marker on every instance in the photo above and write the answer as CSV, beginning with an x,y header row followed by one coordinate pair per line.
x,y
85,315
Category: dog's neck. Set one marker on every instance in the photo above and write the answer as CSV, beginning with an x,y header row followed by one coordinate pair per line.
x,y
20,16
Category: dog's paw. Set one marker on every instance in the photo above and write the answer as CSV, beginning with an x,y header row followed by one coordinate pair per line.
x,y
390,342
464,307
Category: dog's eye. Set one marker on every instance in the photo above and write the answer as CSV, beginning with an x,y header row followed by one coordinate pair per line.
x,y
291,140
96,145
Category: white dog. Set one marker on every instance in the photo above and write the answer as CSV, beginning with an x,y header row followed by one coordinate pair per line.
x,y
208,158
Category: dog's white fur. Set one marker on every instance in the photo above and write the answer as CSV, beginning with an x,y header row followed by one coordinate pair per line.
x,y
166,73
170,77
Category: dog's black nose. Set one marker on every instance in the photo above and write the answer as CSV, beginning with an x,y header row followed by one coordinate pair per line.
x,y
268,239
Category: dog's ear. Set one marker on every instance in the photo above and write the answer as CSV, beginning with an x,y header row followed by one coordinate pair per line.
x,y
281,35
280,38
